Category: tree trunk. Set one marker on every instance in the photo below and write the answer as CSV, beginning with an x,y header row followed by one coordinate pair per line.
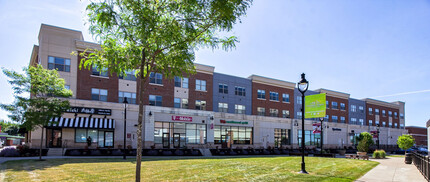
x,y
41,142
140,119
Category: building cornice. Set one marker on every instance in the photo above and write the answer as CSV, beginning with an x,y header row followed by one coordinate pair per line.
x,y
332,93
381,103
272,82
83,45
204,68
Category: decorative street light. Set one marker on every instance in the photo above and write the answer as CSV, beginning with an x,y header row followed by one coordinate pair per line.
x,y
125,124
322,136
377,132
303,87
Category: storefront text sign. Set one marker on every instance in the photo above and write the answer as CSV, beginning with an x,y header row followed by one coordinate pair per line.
x,y
336,129
182,118
86,110
233,122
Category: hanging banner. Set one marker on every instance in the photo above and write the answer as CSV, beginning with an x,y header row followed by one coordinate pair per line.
x,y
317,127
315,106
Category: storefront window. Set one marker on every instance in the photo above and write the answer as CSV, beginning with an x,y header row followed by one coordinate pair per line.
x,y
310,138
184,133
102,137
282,137
239,134
81,136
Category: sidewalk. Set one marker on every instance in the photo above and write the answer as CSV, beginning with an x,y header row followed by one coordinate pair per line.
x,y
393,169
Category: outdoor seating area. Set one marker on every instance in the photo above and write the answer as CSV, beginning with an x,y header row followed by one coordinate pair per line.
x,y
355,156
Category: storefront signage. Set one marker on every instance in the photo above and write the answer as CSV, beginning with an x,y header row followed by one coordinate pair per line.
x,y
315,106
233,122
182,118
316,127
86,110
336,129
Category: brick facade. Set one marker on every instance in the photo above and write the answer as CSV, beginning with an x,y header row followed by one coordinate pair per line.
x,y
337,112
200,95
382,118
267,103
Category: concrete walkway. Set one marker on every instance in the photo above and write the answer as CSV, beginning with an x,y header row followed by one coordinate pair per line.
x,y
393,169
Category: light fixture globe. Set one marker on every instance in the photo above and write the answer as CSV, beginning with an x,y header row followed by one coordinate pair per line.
x,y
303,84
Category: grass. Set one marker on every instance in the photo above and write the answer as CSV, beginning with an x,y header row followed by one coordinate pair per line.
x,y
395,156
192,169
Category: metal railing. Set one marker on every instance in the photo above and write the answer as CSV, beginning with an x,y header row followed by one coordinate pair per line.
x,y
422,163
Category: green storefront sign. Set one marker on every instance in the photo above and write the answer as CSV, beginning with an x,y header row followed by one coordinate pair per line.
x,y
315,106
234,122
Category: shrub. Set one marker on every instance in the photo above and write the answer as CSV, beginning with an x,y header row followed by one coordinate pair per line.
x,y
23,149
9,152
364,141
379,154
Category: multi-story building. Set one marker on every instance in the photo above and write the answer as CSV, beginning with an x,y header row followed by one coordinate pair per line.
x,y
419,134
205,109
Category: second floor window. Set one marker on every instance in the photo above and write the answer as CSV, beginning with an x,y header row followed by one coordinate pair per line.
x,y
99,94
361,109
299,115
239,109
131,97
334,119
370,122
285,97
402,116
327,105
61,64
377,111
395,115
201,85
334,105
390,114
361,122
274,96
261,111
353,108
223,88
180,103
261,94
129,75
299,100
370,111
342,106
156,78
181,82
353,121
285,113
222,107
240,91
342,119
99,72
384,113
274,112
155,100
200,105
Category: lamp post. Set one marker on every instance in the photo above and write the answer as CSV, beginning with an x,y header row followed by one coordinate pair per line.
x,y
303,87
322,136
377,132
125,124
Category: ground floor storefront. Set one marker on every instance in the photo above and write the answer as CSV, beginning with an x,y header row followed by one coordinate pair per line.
x,y
95,125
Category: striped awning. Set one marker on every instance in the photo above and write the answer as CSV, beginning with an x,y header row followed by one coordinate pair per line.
x,y
83,122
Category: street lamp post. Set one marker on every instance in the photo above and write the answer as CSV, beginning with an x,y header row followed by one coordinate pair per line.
x,y
377,132
322,135
303,87
125,124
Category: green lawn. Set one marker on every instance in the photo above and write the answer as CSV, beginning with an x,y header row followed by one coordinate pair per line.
x,y
192,169
393,155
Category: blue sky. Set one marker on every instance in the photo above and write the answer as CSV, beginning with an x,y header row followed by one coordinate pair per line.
x,y
377,49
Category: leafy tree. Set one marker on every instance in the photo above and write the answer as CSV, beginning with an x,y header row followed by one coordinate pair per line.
x,y
157,36
34,104
9,127
365,140
405,142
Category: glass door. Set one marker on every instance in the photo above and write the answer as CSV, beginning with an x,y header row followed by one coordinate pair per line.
x,y
166,140
223,141
53,138
101,140
105,139
176,140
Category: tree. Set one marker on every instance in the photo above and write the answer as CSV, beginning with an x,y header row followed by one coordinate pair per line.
x,y
157,36
364,142
9,127
405,142
34,104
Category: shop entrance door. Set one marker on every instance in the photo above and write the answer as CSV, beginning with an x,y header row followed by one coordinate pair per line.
x,y
166,140
278,142
176,140
224,141
105,139
53,138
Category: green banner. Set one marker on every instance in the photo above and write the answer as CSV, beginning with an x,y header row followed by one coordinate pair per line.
x,y
315,106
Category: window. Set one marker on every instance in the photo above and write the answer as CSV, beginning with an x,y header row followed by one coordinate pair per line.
x,y
222,107
395,125
177,103
223,88
261,111
402,116
129,75
155,100
282,137
240,135
82,134
376,111
361,109
200,105
181,82
334,119
261,94
353,121
274,96
299,100
402,126
390,114
327,105
285,113
201,85
353,108
334,105
67,87
326,118
342,119
61,64
370,122
99,72
310,137
383,123
156,78
239,109
99,94
285,97
361,122
131,97
395,115
342,106
240,91
383,113
390,124
299,115
377,122
370,111
189,133
184,104
274,112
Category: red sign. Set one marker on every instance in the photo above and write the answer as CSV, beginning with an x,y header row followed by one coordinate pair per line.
x,y
128,135
182,118
317,127
374,134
